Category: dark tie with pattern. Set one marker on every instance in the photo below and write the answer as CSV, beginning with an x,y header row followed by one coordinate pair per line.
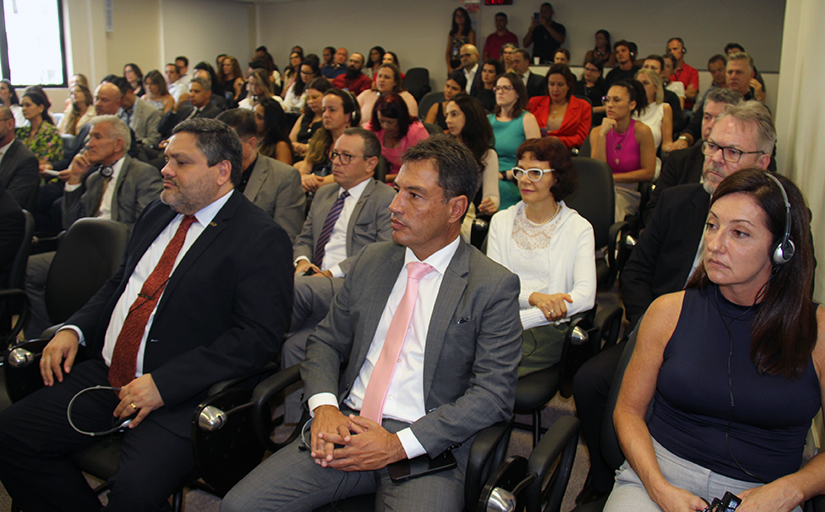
x,y
326,231
106,176
124,358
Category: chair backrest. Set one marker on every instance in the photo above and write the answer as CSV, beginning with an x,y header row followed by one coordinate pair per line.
x,y
17,268
611,451
381,169
89,254
433,129
417,82
429,99
584,149
594,199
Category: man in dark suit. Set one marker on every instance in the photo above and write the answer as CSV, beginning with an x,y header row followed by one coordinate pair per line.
x,y
161,338
685,165
664,258
200,106
12,229
270,184
536,84
458,345
471,68
18,165
327,246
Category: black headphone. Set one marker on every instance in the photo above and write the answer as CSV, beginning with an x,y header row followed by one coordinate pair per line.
x,y
784,250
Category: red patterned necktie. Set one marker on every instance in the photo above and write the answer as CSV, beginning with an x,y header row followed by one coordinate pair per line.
x,y
379,384
124,358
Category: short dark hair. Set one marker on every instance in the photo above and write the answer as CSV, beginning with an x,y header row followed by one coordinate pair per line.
x,y
551,149
784,327
497,65
456,167
657,58
372,146
731,46
261,49
724,95
331,48
718,58
564,51
681,41
217,142
669,57
392,106
524,53
241,120
501,14
621,42
569,77
177,68
184,59
599,63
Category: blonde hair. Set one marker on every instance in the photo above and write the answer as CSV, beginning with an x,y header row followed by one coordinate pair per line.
x,y
656,80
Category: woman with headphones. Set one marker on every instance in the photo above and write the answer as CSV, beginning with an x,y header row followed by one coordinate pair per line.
x,y
734,364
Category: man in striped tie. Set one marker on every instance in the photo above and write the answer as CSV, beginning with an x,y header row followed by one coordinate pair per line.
x,y
343,219
202,296
430,330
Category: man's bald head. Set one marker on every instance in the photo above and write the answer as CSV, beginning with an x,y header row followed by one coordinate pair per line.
x,y
469,56
107,99
6,125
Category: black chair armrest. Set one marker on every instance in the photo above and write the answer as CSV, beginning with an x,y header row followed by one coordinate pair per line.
x,y
267,369
559,443
616,254
486,454
14,302
262,396
41,244
22,369
609,321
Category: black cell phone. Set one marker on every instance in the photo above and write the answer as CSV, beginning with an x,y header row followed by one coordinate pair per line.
x,y
309,271
536,16
420,466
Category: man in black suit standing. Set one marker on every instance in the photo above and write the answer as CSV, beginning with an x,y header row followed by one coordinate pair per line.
x,y
665,256
203,295
18,165
536,84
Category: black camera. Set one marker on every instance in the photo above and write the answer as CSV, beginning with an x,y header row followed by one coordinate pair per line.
x,y
728,503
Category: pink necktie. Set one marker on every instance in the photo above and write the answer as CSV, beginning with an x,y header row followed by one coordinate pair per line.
x,y
379,383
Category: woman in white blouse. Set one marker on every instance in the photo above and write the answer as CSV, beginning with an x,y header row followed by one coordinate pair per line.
x,y
549,246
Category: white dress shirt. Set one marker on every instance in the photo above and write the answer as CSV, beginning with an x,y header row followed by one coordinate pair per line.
x,y
405,397
470,76
336,250
144,268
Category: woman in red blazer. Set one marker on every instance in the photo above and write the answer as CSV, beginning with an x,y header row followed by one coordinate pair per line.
x,y
561,114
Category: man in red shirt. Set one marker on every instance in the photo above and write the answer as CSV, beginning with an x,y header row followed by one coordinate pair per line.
x,y
353,80
684,72
502,36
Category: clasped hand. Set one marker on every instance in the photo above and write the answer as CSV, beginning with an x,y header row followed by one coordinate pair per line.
x,y
363,444
553,305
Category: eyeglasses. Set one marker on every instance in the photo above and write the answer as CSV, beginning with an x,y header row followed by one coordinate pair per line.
x,y
532,174
608,99
467,55
344,157
731,155
503,88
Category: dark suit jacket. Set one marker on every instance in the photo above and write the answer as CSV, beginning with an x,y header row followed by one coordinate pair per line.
x,y
681,167
224,310
138,184
369,222
19,173
276,188
171,119
472,349
536,85
661,261
12,229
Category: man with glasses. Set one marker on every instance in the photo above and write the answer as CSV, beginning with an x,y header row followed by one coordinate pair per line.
x,y
507,52
666,254
344,218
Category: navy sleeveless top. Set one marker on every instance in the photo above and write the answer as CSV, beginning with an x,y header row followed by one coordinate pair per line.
x,y
770,415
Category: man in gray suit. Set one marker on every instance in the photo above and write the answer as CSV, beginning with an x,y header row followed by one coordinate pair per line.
x,y
140,116
19,171
326,248
119,188
456,370
270,184
200,94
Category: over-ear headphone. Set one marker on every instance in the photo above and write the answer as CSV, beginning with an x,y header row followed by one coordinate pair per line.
x,y
784,250
684,48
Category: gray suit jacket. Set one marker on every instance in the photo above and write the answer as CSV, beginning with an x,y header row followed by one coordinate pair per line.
x,y
138,184
369,222
19,172
145,122
473,344
276,188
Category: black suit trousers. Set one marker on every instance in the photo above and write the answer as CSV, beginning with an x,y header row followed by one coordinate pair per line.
x,y
36,442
